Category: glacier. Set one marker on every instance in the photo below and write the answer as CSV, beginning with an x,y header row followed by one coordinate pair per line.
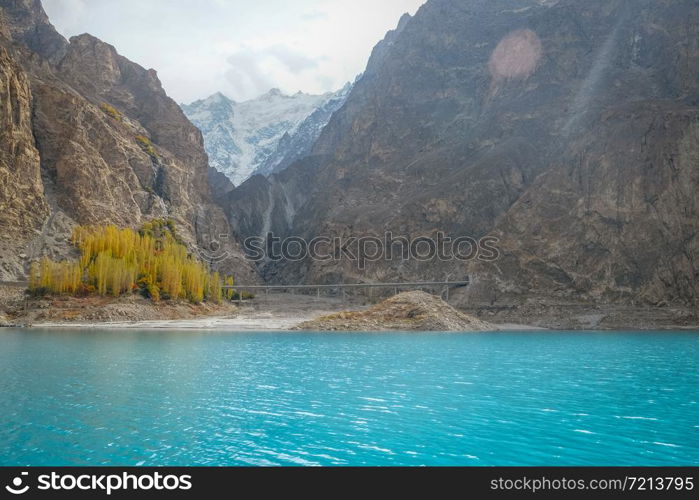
x,y
262,135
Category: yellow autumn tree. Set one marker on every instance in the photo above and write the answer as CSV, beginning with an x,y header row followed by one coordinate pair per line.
x,y
229,293
215,292
115,261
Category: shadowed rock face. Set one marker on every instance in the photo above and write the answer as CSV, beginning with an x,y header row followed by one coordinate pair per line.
x,y
111,145
567,129
26,22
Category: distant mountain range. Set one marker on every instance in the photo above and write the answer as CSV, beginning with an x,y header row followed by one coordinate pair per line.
x,y
262,135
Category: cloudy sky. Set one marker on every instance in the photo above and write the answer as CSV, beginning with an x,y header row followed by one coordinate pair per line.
x,y
242,48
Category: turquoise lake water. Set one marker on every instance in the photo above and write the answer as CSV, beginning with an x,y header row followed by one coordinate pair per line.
x,y
186,398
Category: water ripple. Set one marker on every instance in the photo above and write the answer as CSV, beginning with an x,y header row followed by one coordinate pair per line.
x,y
176,398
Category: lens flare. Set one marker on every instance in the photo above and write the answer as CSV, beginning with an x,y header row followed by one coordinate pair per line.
x,y
516,56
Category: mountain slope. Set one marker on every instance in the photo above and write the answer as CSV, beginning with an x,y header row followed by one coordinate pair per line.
x,y
566,129
22,203
111,145
261,135
298,142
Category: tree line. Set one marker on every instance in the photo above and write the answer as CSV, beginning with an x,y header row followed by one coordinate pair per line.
x,y
114,261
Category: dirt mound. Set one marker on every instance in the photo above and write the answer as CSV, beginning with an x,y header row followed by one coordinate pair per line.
x,y
411,311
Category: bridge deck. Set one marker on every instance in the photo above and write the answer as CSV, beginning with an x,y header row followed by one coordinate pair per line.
x,y
445,285
417,284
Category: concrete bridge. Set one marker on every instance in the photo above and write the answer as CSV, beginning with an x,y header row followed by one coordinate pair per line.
x,y
446,286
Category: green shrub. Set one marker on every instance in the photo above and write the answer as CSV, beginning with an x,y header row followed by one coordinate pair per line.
x,y
111,111
243,296
146,145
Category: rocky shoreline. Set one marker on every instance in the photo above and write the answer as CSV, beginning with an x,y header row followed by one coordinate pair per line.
x,y
580,316
408,312
18,310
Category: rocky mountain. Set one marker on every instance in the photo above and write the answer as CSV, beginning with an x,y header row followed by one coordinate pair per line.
x,y
568,130
220,184
297,142
90,137
261,135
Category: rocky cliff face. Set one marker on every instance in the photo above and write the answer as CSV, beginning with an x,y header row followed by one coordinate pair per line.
x,y
22,204
566,129
25,22
97,141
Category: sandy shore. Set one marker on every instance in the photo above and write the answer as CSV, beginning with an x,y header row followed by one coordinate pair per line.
x,y
244,323
277,312
283,312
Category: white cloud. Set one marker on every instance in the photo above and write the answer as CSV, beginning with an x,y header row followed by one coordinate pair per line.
x,y
67,15
239,47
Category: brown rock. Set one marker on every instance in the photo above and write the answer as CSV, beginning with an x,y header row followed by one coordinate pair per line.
x,y
22,204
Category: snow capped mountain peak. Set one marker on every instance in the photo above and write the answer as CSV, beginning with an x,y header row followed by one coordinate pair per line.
x,y
275,92
213,100
217,98
241,137
298,142
208,113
